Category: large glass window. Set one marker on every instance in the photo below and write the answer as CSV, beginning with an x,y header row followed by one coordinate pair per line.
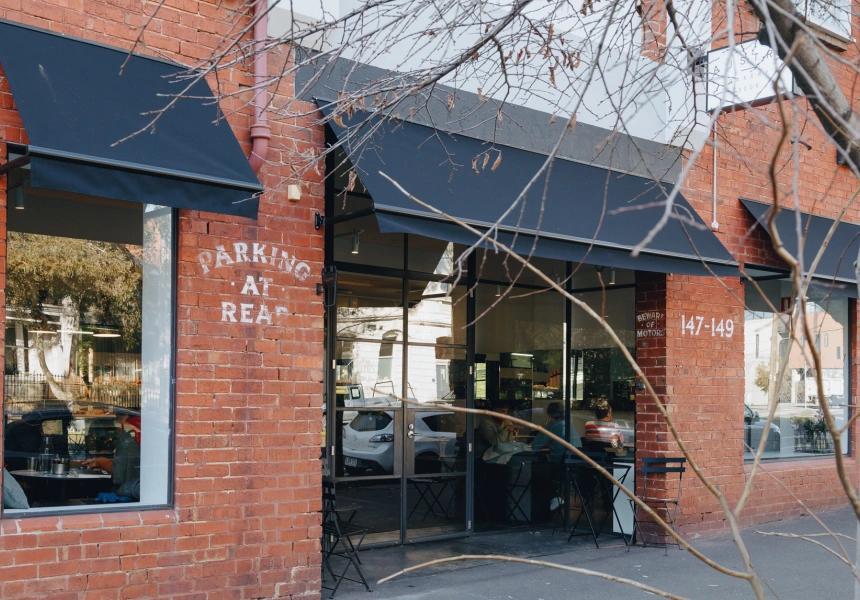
x,y
600,375
89,313
798,427
519,371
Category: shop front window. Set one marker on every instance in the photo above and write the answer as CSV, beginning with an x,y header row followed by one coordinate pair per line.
x,y
89,338
519,365
798,427
601,377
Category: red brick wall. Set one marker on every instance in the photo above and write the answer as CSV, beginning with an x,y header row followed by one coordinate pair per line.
x,y
248,397
650,355
747,143
700,379
705,382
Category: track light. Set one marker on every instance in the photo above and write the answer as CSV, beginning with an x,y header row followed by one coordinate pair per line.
x,y
355,244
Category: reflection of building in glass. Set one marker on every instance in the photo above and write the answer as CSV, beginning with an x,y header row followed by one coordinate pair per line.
x,y
797,427
371,334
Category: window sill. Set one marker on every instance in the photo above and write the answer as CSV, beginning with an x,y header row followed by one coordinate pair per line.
x,y
146,514
791,462
830,37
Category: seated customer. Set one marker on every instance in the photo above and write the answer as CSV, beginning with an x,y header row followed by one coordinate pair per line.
x,y
554,424
13,494
124,467
602,432
490,431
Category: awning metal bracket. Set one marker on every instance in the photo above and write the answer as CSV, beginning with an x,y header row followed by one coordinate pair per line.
x,y
15,163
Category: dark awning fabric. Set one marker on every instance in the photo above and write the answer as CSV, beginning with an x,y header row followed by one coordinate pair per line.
x,y
75,106
837,263
438,170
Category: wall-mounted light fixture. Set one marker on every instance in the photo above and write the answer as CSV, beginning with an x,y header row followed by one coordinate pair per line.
x,y
355,233
498,291
294,192
611,276
17,195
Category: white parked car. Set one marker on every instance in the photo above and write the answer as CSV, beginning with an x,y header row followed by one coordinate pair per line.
x,y
368,443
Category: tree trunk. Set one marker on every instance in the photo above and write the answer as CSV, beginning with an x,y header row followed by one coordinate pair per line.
x,y
814,78
55,388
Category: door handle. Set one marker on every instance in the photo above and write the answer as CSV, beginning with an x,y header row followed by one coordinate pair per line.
x,y
412,435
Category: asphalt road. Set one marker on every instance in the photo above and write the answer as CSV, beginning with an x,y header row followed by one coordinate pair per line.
x,y
792,568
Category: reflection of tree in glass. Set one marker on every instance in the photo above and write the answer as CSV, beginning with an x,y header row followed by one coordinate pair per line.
x,y
100,279
762,381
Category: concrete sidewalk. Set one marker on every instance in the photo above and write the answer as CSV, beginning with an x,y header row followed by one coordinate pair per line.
x,y
794,569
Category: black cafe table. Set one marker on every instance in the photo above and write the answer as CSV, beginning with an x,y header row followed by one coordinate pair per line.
x,y
50,486
594,488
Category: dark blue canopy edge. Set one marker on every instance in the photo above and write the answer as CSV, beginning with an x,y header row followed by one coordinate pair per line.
x,y
436,167
75,106
836,267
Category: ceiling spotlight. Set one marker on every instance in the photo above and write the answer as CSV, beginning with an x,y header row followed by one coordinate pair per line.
x,y
355,244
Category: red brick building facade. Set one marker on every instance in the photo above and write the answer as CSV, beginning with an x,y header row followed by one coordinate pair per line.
x,y
245,521
248,398
746,148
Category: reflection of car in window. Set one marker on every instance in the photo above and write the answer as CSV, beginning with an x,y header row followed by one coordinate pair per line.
x,y
84,434
368,442
753,429
627,429
603,433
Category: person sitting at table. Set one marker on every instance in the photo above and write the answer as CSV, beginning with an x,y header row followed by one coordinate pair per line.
x,y
602,432
13,493
490,431
124,467
554,424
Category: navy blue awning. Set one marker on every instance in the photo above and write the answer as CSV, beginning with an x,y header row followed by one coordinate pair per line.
x,y
577,221
837,263
75,107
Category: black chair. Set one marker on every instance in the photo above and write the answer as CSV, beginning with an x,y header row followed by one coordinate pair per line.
x,y
659,470
338,533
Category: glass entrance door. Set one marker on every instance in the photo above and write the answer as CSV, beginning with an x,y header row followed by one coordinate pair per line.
x,y
435,502
399,452
435,442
